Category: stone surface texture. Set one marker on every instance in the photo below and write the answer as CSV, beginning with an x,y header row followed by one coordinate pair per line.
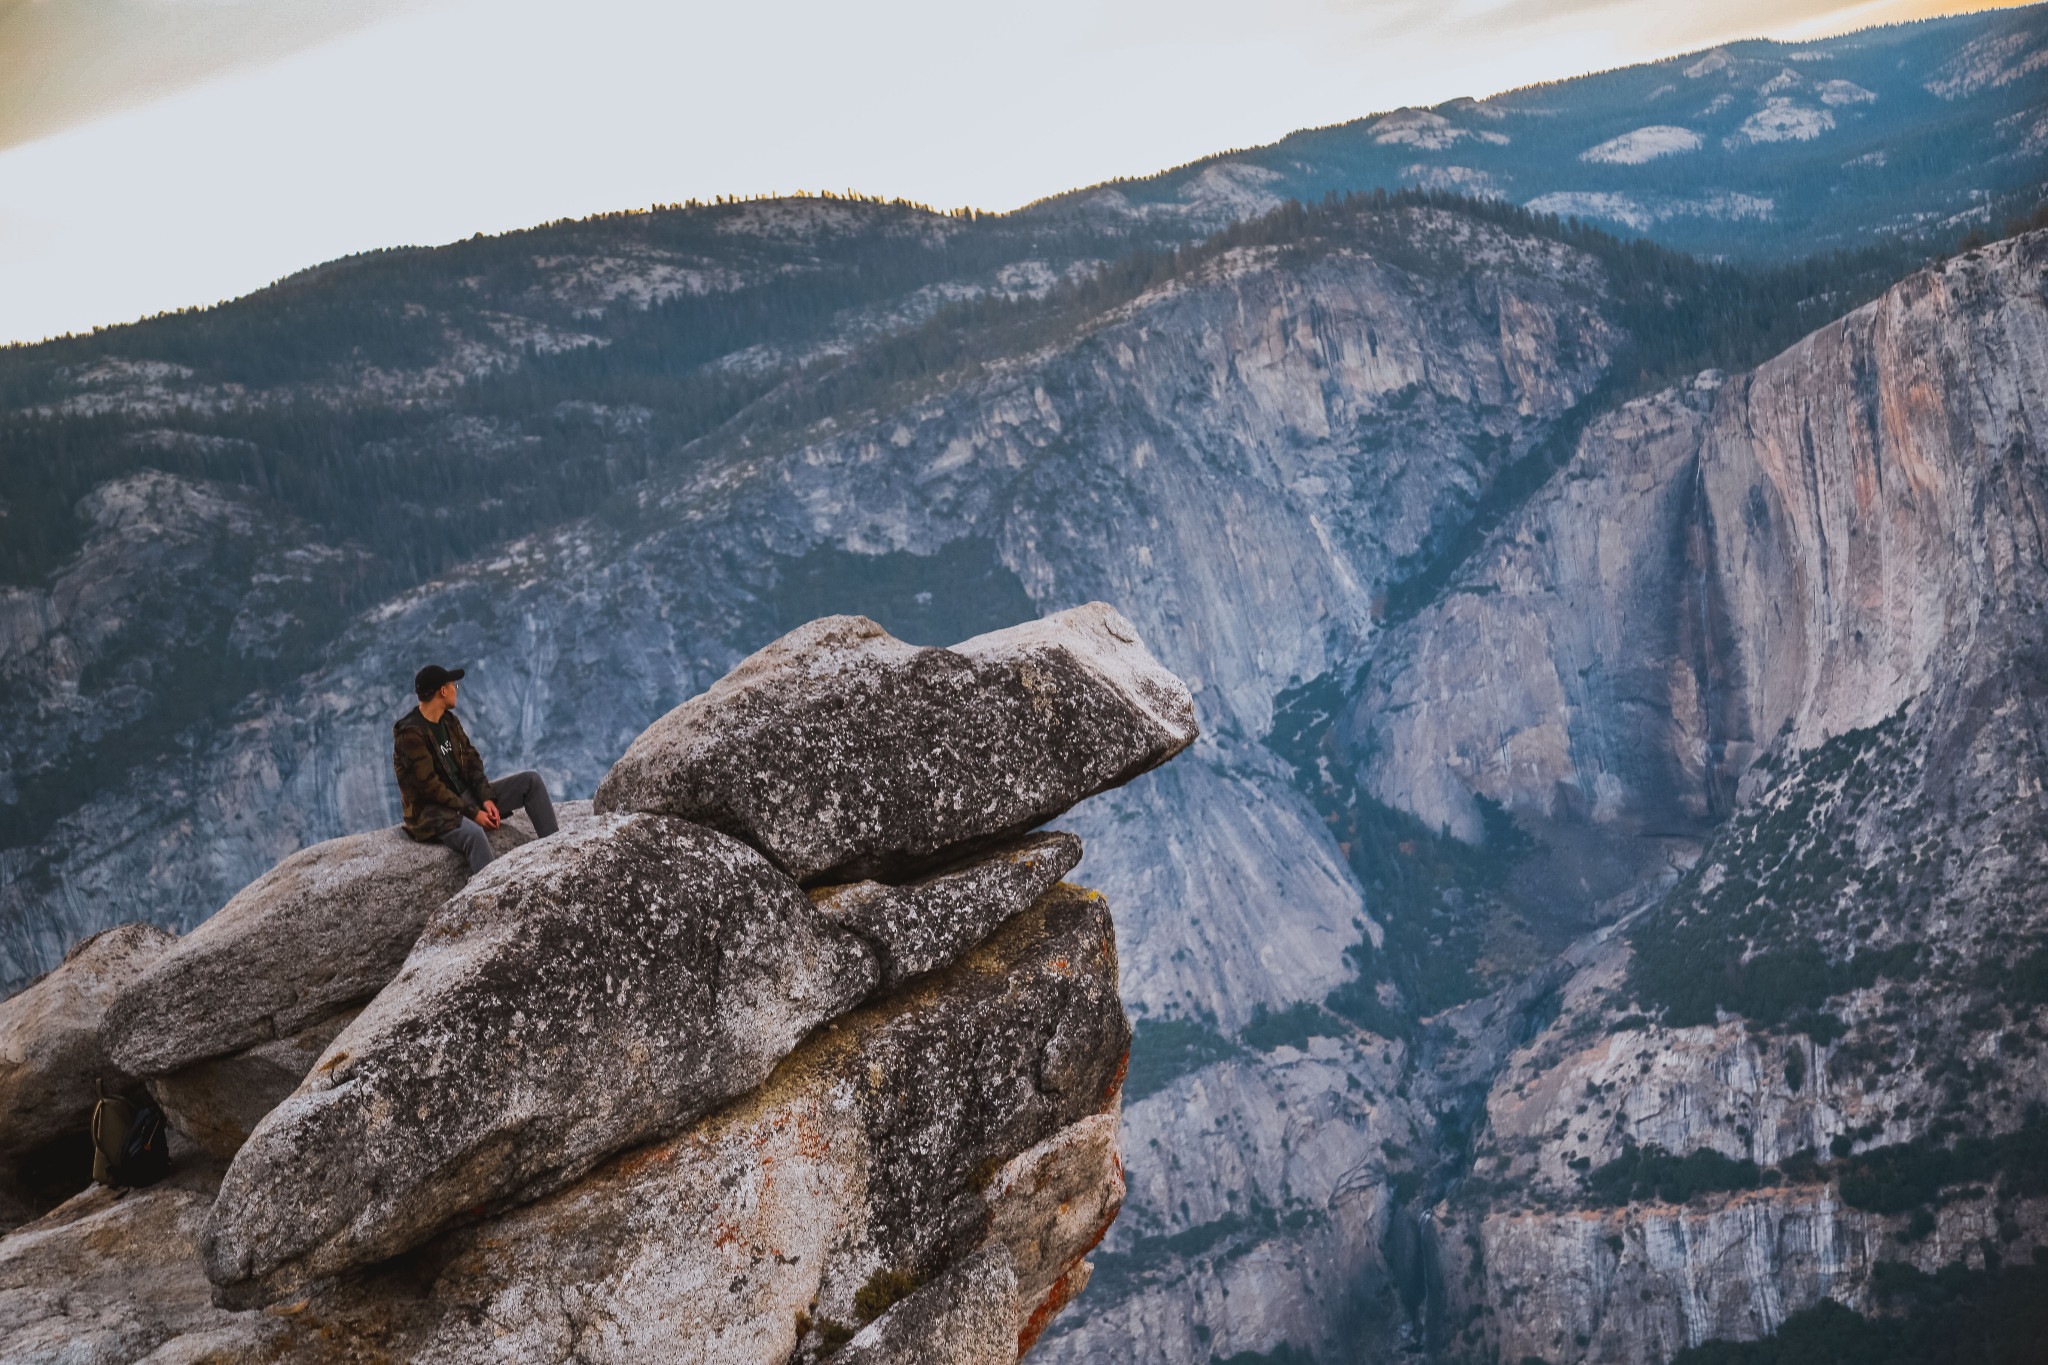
x,y
114,1278
1050,1206
51,1063
1256,462
867,1150
967,1316
322,931
217,1103
924,924
1199,458
841,752
578,997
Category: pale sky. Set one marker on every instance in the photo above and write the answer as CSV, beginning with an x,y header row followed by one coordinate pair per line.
x,y
165,153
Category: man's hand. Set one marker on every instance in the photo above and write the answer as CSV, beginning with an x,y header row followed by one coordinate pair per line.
x,y
488,817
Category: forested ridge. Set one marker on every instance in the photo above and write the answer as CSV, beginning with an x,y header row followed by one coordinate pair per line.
x,y
374,398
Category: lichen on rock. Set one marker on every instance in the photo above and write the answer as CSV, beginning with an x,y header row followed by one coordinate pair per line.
x,y
607,987
587,996
742,1238
318,933
843,753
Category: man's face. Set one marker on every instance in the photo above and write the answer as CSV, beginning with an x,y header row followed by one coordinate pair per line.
x,y
446,696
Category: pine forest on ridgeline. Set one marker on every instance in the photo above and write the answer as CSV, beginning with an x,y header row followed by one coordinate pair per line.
x,y
1600,529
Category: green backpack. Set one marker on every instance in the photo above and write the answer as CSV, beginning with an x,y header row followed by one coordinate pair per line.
x,y
130,1146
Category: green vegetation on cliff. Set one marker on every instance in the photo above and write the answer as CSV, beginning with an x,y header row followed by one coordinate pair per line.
x,y
1740,933
1955,1316
1646,1173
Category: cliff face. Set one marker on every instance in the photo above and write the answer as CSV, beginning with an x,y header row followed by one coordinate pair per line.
x,y
1199,454
1343,1015
1791,615
1253,409
1778,557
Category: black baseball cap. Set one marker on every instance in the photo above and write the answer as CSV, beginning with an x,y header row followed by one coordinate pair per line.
x,y
428,680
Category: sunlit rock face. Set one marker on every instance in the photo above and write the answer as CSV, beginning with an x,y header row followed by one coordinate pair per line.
x,y
1789,616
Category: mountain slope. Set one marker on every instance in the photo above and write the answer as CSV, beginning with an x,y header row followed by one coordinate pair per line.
x,y
1483,659
1759,150
1195,450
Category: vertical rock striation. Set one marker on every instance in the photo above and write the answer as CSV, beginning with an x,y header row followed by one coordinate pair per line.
x,y
1790,618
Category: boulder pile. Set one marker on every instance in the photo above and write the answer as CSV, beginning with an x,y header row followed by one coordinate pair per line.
x,y
793,1044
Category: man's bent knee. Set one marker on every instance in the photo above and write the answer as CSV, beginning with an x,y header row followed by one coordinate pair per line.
x,y
469,839
527,791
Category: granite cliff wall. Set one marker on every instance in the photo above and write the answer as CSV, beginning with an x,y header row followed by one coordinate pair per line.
x,y
1778,635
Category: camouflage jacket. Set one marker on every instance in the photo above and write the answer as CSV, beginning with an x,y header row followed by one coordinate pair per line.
x,y
428,784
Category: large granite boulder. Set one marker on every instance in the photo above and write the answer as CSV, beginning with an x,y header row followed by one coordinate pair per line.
x,y
842,753
746,1239
217,1103
930,922
317,934
51,1061
583,995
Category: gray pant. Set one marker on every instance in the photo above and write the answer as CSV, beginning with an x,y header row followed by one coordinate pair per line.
x,y
522,791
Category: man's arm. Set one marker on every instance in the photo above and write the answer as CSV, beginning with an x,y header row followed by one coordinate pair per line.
x,y
416,760
472,765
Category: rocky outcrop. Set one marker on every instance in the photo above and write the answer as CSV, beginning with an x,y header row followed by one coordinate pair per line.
x,y
840,752
53,1068
865,1160
1063,1193
604,987
633,1094
575,999
616,1070
1198,457
114,1276
322,931
913,928
1201,455
218,1102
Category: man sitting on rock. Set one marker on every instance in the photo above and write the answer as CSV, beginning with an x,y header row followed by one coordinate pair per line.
x,y
441,779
